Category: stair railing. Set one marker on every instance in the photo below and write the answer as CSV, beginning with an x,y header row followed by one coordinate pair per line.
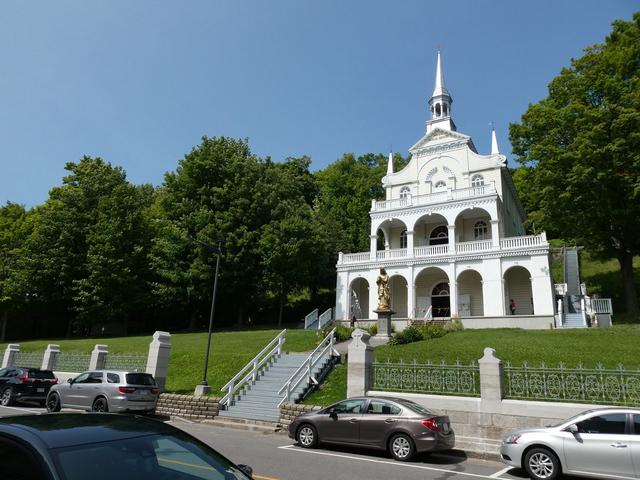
x,y
325,318
310,319
251,369
304,371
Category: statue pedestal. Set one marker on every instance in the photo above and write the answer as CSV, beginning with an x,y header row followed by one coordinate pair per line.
x,y
384,323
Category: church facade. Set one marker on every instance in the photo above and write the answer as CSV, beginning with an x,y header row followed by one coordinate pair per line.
x,y
450,235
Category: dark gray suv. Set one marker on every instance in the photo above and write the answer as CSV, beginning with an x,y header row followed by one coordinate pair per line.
x,y
106,391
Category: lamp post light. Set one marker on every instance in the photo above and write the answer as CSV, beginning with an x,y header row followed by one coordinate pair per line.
x,y
203,388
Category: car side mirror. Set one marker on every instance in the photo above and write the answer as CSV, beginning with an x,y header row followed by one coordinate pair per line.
x,y
333,415
573,428
70,381
246,469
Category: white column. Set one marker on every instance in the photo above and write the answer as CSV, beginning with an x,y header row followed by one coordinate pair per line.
x,y
495,233
492,288
409,243
158,358
359,358
98,357
411,295
373,245
50,357
11,355
452,238
453,297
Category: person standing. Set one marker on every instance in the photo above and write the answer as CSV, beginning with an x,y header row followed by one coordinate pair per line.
x,y
512,306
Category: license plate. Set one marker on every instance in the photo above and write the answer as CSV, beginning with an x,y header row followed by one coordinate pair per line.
x,y
40,390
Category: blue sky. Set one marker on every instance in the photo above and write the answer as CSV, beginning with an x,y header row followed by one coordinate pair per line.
x,y
138,83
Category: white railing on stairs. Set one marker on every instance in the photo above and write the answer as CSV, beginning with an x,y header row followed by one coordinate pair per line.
x,y
325,318
311,319
304,371
249,372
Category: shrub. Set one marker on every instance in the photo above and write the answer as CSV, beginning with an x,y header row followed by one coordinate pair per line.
x,y
372,329
433,331
455,325
342,333
408,335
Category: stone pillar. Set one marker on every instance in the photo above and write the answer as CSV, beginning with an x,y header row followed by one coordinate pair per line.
x,y
158,359
359,360
11,355
373,246
384,323
99,357
490,377
452,238
410,243
495,233
50,357
453,297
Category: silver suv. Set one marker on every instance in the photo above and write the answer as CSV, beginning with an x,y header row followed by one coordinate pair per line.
x,y
106,391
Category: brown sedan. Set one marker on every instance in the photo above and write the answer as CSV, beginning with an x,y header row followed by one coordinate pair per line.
x,y
400,426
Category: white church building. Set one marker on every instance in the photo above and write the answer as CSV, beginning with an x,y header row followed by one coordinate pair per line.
x,y
450,236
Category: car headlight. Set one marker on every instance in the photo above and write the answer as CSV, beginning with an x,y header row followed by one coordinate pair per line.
x,y
513,438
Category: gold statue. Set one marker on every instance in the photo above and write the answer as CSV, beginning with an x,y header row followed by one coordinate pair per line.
x,y
384,293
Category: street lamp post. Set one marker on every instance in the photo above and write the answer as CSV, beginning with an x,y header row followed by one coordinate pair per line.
x,y
203,388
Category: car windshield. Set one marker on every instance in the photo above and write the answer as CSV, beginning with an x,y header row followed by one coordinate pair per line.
x,y
41,374
140,379
413,406
569,420
150,457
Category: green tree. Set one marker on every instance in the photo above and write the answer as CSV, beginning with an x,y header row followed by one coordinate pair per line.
x,y
582,144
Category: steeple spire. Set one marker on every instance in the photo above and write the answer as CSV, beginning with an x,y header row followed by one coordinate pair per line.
x,y
494,141
390,164
440,102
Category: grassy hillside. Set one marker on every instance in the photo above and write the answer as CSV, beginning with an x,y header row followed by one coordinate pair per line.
x,y
230,351
610,347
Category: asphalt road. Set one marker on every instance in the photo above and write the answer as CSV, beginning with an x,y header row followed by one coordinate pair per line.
x,y
277,457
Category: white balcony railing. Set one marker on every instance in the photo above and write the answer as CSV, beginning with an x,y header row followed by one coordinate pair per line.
x,y
461,248
436,197
601,305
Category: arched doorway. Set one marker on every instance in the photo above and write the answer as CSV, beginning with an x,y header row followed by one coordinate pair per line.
x,y
359,299
398,287
470,300
517,287
440,300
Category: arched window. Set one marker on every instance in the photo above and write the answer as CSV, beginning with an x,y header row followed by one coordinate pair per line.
x,y
440,290
403,239
480,230
477,181
405,192
439,235
440,186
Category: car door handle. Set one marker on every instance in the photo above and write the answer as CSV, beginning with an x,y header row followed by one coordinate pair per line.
x,y
353,420
390,420
619,445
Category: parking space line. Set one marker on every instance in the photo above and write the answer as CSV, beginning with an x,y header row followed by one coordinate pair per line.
x,y
30,410
501,472
293,448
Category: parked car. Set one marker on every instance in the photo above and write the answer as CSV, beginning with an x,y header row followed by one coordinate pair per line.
x,y
103,447
25,384
400,426
598,443
106,391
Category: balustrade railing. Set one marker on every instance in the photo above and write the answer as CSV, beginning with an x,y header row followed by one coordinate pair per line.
x,y
29,359
601,305
250,372
131,362
356,257
435,197
391,254
72,362
472,247
434,378
524,241
304,371
431,251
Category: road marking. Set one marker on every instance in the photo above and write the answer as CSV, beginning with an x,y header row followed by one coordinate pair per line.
x,y
293,448
30,410
260,477
501,472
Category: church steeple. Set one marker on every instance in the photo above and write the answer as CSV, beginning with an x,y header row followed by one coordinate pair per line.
x,y
440,103
494,141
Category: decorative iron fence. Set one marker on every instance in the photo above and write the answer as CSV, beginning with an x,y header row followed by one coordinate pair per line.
x,y
29,359
72,362
581,385
440,379
131,362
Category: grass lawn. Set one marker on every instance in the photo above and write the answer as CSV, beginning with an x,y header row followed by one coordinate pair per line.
x,y
230,351
619,344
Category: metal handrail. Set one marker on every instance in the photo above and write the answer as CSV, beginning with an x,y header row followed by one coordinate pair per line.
x,y
325,318
311,318
308,365
255,364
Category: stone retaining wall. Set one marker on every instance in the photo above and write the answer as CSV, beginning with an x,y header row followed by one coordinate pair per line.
x,y
187,406
289,411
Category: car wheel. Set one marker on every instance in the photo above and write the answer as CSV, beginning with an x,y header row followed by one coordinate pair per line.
x,y
7,397
307,436
542,464
53,403
401,447
100,405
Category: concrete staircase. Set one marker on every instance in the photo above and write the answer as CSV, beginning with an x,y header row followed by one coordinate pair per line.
x,y
259,400
573,320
